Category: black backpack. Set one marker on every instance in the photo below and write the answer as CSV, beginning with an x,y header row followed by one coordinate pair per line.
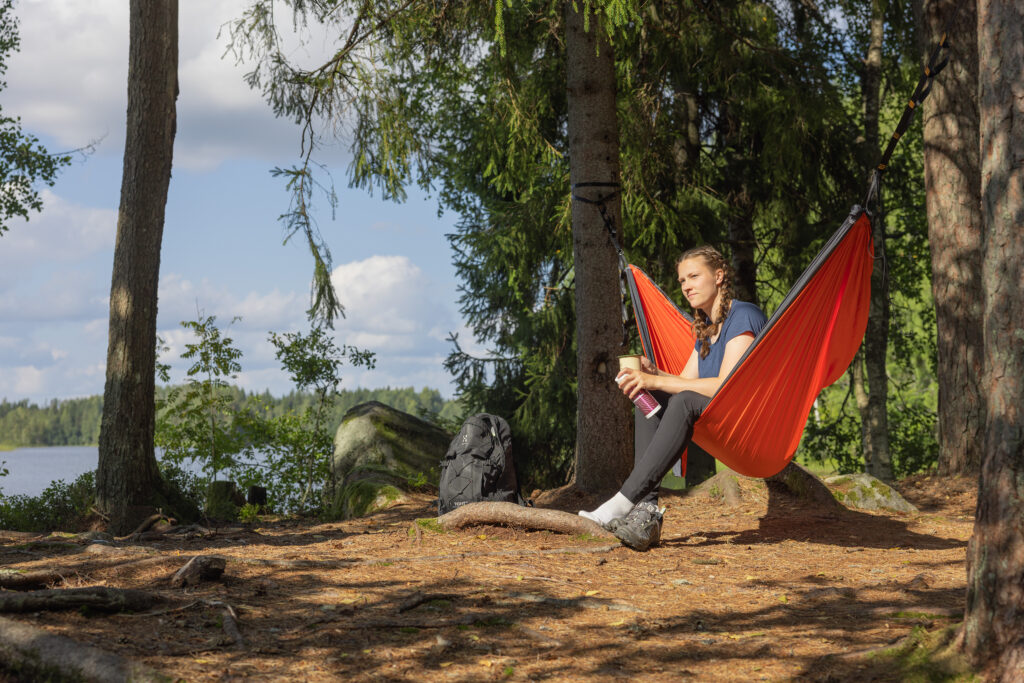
x,y
479,465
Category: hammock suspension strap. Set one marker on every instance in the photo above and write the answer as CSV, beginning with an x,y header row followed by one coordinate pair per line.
x,y
924,86
602,207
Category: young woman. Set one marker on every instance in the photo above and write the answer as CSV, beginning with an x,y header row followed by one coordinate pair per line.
x,y
724,330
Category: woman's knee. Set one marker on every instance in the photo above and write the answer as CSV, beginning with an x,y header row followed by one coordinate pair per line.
x,y
687,403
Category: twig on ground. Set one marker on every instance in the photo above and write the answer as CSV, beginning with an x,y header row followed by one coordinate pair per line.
x,y
417,599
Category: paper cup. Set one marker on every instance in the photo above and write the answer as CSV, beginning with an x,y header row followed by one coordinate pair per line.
x,y
631,361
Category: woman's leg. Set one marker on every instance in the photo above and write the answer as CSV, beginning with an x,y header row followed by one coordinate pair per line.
x,y
658,445
643,433
670,436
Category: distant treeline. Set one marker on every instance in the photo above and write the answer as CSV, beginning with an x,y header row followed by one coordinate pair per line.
x,y
76,421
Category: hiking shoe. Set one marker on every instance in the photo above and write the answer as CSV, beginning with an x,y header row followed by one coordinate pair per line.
x,y
640,528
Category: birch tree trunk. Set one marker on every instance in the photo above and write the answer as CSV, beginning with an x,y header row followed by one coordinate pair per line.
x,y
953,200
993,629
604,434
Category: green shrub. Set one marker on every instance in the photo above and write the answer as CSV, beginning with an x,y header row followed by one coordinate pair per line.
x,y
60,507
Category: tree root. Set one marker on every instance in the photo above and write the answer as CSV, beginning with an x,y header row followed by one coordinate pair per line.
x,y
95,597
342,564
510,514
34,654
20,581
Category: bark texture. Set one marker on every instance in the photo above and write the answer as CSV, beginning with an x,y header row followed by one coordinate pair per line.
x,y
953,201
993,627
872,402
604,433
128,483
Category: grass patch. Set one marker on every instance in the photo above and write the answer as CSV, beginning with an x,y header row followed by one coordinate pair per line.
x,y
589,538
426,524
925,656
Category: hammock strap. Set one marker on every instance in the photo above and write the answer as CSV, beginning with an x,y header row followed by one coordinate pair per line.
x,y
924,86
602,207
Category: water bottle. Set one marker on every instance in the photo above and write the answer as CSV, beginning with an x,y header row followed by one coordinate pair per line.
x,y
647,404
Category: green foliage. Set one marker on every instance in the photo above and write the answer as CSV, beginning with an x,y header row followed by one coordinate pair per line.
x,y
60,506
295,447
73,422
249,513
23,161
3,473
196,422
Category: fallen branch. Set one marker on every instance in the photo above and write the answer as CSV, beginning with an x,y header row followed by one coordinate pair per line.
x,y
230,622
146,523
95,597
36,654
510,514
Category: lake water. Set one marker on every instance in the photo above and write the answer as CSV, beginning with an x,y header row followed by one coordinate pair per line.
x,y
32,469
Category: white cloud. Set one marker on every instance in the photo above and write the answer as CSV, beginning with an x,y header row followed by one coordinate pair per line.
x,y
78,93
64,231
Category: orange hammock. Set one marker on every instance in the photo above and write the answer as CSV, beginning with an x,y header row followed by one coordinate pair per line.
x,y
754,421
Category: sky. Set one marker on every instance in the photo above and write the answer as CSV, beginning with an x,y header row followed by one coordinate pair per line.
x,y
222,251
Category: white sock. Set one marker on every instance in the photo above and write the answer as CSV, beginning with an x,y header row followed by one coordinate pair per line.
x,y
616,506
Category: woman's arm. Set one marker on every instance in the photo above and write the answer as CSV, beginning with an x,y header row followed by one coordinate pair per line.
x,y
688,381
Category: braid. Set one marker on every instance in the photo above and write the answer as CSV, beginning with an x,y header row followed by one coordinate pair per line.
x,y
703,327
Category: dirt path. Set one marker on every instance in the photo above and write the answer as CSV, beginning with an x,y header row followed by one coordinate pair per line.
x,y
730,595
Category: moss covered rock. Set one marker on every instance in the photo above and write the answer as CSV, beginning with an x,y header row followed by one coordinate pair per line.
x,y
864,492
380,454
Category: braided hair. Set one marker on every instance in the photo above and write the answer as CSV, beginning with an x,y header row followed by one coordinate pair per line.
x,y
703,327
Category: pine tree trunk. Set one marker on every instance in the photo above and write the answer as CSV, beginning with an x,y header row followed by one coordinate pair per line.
x,y
740,206
604,435
993,629
953,201
874,420
127,479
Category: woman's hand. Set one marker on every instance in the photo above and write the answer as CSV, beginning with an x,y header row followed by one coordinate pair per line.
x,y
647,366
632,382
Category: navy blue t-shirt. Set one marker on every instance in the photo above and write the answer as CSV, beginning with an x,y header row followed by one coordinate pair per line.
x,y
742,317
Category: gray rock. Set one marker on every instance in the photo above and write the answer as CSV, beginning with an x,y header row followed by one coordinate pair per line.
x,y
380,454
864,492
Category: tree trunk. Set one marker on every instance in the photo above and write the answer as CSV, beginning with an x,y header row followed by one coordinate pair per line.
x,y
127,479
740,206
993,629
953,201
874,421
604,435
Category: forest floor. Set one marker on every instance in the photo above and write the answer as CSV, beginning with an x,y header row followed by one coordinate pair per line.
x,y
731,594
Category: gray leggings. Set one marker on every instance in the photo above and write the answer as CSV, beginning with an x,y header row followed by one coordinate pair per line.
x,y
658,441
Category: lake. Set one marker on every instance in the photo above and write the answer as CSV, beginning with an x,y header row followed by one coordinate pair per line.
x,y
32,469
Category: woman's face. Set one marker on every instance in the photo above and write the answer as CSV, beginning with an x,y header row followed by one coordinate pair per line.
x,y
699,283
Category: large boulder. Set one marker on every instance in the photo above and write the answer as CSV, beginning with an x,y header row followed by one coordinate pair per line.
x,y
380,454
864,492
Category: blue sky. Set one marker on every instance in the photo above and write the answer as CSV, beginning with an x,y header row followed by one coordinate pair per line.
x,y
222,249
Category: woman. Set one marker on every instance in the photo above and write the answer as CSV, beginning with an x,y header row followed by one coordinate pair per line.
x,y
724,330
